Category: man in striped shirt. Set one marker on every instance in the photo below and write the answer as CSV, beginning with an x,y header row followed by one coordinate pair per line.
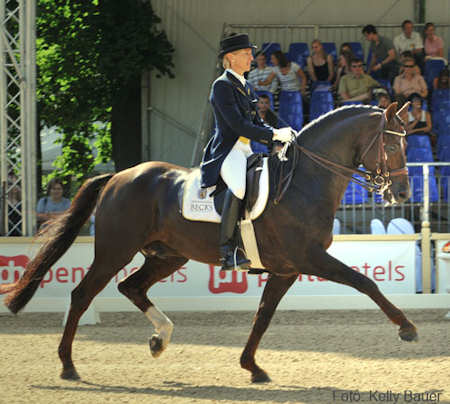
x,y
261,73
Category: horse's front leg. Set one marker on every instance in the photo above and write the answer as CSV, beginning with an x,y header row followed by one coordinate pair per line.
x,y
330,268
274,290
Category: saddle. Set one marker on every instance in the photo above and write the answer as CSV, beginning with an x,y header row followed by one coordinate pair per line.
x,y
199,204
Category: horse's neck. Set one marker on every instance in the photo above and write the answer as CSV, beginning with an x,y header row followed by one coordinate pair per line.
x,y
339,148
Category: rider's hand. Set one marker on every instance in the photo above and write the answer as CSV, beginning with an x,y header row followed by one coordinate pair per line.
x,y
283,135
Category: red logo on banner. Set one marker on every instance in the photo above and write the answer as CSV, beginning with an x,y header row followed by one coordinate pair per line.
x,y
227,281
11,268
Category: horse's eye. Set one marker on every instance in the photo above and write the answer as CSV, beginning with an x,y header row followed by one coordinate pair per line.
x,y
391,148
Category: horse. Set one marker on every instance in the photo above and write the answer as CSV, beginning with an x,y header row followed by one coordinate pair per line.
x,y
138,210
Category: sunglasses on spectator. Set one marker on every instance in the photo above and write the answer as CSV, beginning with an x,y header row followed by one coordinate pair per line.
x,y
408,65
360,65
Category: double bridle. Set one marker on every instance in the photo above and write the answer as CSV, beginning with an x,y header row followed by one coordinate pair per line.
x,y
375,181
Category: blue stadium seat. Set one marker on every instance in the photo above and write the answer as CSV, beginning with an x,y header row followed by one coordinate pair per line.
x,y
291,109
440,115
321,103
357,49
298,53
445,176
268,48
268,93
330,48
432,69
355,193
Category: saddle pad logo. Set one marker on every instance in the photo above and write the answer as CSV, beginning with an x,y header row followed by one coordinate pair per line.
x,y
12,268
202,193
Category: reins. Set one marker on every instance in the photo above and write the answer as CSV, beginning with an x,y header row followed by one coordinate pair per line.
x,y
377,181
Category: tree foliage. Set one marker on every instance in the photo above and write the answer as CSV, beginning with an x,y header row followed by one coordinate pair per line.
x,y
88,53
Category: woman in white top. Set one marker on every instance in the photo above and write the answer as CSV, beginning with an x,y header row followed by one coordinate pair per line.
x,y
289,74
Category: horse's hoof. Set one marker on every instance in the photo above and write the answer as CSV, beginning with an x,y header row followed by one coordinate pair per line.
x,y
156,345
408,334
260,377
70,374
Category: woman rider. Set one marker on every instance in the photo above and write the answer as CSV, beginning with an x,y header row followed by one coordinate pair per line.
x,y
237,122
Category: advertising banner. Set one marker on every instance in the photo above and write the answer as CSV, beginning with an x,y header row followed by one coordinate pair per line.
x,y
390,264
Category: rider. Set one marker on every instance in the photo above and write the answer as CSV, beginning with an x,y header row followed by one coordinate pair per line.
x,y
237,122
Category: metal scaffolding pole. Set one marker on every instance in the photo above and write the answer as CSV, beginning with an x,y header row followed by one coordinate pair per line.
x,y
18,115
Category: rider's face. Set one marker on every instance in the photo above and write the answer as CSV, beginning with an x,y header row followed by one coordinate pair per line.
x,y
241,60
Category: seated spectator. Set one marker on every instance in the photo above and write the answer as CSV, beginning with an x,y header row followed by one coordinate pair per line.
x,y
433,45
384,101
261,73
419,120
441,81
357,85
289,74
320,64
409,40
53,204
383,64
269,117
409,82
343,67
407,55
265,112
345,47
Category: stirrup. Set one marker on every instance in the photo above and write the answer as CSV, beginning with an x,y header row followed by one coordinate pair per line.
x,y
242,265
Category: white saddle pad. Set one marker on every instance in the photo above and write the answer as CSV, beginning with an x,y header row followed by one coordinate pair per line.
x,y
197,205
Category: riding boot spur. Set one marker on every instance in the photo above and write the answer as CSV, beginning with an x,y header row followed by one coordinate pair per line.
x,y
231,256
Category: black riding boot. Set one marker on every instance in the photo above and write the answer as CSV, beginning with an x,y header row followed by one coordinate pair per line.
x,y
231,256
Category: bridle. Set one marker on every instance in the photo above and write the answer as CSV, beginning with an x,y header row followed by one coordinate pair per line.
x,y
375,181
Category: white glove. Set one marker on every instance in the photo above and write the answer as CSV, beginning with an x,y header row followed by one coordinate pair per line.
x,y
283,135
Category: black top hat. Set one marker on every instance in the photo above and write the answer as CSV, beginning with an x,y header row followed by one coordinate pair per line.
x,y
234,42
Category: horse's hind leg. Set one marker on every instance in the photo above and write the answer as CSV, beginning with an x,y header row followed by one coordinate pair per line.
x,y
135,288
274,290
332,269
95,280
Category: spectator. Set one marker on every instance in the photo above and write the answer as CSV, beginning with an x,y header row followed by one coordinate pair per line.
x,y
409,82
434,45
409,40
268,117
320,64
419,120
261,73
53,204
441,81
384,101
14,206
357,85
343,67
383,64
265,111
345,47
290,74
405,55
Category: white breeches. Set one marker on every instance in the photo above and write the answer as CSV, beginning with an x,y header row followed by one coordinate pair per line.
x,y
234,168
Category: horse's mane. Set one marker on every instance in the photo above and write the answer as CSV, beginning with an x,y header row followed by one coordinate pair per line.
x,y
344,112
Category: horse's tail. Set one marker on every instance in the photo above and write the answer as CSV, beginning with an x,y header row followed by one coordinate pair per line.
x,y
57,237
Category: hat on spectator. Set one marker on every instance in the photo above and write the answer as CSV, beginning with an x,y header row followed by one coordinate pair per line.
x,y
234,42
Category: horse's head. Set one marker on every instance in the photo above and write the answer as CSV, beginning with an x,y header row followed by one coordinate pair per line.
x,y
385,157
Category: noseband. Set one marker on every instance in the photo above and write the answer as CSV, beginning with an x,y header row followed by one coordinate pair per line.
x,y
376,181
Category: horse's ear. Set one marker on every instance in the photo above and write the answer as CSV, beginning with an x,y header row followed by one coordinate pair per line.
x,y
403,112
390,111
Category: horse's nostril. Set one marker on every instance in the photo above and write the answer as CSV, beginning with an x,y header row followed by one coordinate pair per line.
x,y
403,195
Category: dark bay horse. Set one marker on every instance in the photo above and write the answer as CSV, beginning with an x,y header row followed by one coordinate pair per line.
x,y
138,211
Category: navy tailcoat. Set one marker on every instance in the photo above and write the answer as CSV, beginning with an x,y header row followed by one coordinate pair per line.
x,y
235,115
